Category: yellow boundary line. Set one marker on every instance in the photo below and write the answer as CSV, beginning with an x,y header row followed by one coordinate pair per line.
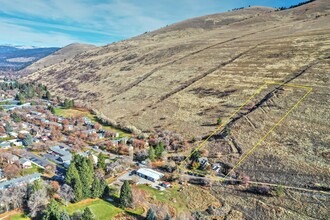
x,y
260,140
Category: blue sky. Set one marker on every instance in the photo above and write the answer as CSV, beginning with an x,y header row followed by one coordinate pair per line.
x,y
61,22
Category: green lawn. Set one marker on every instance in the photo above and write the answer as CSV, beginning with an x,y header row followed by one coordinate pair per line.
x,y
19,217
34,169
169,196
101,209
75,112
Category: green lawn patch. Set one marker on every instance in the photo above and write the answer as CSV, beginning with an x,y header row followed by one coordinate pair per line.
x,y
135,212
34,169
101,209
171,196
19,216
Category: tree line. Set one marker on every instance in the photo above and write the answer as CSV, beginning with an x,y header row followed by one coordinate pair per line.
x,y
294,6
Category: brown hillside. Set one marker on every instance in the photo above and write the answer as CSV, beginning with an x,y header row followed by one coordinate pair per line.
x,y
186,75
63,54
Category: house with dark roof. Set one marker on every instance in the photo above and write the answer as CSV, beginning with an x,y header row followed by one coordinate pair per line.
x,y
63,154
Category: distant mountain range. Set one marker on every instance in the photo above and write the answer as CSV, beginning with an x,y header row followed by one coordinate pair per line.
x,y
14,58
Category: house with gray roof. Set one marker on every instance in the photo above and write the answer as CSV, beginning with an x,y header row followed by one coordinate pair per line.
x,y
64,156
19,181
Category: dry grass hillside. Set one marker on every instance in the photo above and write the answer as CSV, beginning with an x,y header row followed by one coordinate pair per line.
x,y
186,75
57,57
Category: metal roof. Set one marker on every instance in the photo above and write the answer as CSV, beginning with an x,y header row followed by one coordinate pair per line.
x,y
150,173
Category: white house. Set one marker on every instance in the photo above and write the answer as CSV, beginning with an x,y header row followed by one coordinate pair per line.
x,y
16,142
3,135
25,163
13,134
5,145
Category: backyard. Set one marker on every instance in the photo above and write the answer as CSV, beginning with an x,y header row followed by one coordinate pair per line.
x,y
84,113
100,208
103,209
33,169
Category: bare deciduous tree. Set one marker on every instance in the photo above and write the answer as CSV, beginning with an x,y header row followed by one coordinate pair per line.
x,y
66,192
38,201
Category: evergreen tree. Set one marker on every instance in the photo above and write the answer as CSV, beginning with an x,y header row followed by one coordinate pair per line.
x,y
86,173
152,154
48,96
65,216
28,140
95,191
71,103
101,161
66,103
126,198
20,97
73,180
87,215
195,154
78,190
51,109
151,215
168,217
16,118
8,127
71,174
159,149
53,211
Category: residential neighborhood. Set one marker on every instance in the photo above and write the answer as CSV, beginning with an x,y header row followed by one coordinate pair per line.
x,y
46,139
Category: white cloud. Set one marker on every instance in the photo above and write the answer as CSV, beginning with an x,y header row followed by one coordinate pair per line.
x,y
76,19
25,36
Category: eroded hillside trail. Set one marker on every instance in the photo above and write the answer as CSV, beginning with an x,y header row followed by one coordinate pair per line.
x,y
208,72
223,133
147,75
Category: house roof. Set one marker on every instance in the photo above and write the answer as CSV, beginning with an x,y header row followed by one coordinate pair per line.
x,y
150,173
60,151
20,180
5,144
67,157
23,160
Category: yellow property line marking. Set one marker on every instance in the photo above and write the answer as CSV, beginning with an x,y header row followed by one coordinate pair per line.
x,y
223,124
263,138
